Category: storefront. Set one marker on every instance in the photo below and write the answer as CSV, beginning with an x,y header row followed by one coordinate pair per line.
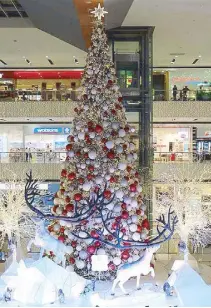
x,y
171,142
15,139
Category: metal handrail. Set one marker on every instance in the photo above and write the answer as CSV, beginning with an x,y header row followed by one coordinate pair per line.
x,y
19,156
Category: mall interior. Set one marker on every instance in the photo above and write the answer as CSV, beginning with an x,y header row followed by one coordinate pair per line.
x,y
161,52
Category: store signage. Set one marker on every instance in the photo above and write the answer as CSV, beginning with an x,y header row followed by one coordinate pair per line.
x,y
44,130
66,130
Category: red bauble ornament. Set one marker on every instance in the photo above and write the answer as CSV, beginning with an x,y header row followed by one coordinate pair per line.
x,y
152,265
113,111
72,260
128,168
136,174
89,176
127,128
123,230
114,226
78,153
120,99
62,191
76,109
133,187
98,129
125,255
73,244
55,208
71,176
112,179
97,244
110,82
94,234
91,168
86,155
64,172
138,212
111,155
78,197
90,124
107,194
61,238
125,215
85,96
64,212
91,249
104,140
139,228
124,206
81,180
69,207
67,199
111,266
69,147
145,224
110,237
62,230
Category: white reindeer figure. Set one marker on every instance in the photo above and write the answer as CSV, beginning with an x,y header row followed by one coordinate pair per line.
x,y
137,268
47,242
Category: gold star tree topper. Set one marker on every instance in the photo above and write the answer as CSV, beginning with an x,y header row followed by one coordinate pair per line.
x,y
99,12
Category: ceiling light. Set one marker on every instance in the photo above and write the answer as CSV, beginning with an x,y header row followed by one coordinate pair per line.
x,y
46,56
196,60
50,61
199,56
3,62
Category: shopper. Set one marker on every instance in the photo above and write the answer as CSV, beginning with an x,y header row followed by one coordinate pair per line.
x,y
27,154
185,93
175,93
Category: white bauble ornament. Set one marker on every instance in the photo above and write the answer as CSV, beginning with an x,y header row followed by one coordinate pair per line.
x,y
86,107
88,161
70,235
56,227
83,254
117,261
112,170
134,218
110,206
80,264
78,248
105,160
105,107
129,208
139,188
92,154
59,211
136,236
133,227
62,223
56,201
130,260
92,135
119,141
94,91
129,157
143,207
68,224
132,146
119,194
69,250
109,144
122,166
101,251
86,186
127,200
122,133
134,203
89,71
99,180
113,252
82,234
71,154
124,183
81,136
88,241
115,125
143,235
117,208
136,252
125,237
66,232
135,156
98,220
119,149
107,177
105,124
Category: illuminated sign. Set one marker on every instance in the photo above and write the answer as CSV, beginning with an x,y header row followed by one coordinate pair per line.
x,y
51,130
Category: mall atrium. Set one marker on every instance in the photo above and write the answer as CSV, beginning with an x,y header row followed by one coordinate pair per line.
x,y
105,153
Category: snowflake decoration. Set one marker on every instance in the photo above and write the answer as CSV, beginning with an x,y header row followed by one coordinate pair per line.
x,y
99,12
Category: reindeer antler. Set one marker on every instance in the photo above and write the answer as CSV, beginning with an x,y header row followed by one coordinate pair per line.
x,y
90,205
120,243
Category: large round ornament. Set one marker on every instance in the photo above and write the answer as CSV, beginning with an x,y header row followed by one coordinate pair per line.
x,y
92,154
87,186
80,264
117,261
83,254
122,133
109,144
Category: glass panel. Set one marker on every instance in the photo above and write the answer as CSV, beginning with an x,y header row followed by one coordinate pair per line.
x,y
127,73
126,47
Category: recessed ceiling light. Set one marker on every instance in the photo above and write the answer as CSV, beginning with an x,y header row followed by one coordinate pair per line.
x,y
46,56
199,56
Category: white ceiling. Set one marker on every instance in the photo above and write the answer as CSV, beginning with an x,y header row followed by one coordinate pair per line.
x,y
181,26
35,45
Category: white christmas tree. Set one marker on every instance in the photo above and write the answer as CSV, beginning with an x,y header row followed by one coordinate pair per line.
x,y
183,195
15,217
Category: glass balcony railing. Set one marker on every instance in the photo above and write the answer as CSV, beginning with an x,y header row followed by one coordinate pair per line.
x,y
171,157
32,157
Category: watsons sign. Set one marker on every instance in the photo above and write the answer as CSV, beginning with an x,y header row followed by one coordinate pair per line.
x,y
51,130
